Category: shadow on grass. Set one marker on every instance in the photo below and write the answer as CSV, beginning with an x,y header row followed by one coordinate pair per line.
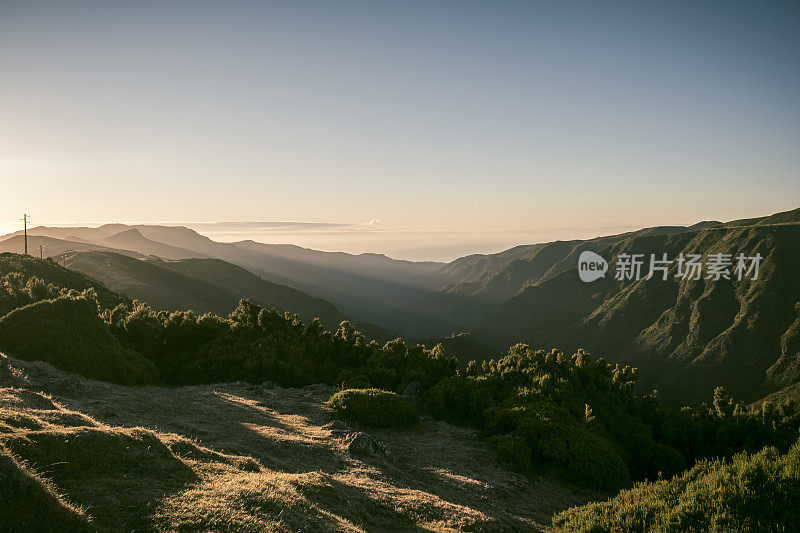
x,y
118,475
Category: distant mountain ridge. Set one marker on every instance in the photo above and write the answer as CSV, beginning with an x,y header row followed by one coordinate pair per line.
x,y
470,287
362,286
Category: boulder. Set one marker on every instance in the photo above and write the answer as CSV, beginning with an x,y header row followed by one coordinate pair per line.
x,y
365,444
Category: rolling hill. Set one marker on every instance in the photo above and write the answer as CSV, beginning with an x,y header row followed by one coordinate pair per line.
x,y
203,285
362,286
27,268
132,239
55,247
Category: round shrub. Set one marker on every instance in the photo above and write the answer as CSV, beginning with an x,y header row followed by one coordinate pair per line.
x,y
373,407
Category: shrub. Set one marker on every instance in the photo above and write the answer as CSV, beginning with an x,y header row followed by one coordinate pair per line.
x,y
373,407
67,332
756,492
535,409
543,409
255,344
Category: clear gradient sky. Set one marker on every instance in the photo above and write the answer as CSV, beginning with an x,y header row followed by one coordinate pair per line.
x,y
506,117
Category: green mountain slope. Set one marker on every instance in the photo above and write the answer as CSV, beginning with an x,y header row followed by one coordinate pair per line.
x,y
26,268
470,287
686,336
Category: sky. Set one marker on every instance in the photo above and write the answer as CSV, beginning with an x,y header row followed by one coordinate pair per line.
x,y
425,130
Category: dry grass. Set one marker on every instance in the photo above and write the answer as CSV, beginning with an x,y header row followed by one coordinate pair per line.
x,y
240,458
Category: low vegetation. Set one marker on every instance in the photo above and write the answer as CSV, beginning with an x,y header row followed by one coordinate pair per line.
x,y
373,407
757,492
548,410
256,344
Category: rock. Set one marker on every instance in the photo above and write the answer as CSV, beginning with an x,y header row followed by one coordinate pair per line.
x,y
364,444
411,392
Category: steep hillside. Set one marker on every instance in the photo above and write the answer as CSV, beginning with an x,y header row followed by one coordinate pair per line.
x,y
147,281
248,458
498,277
790,393
435,314
686,336
472,286
244,284
203,285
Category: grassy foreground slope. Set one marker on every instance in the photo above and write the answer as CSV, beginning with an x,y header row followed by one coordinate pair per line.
x,y
30,503
251,458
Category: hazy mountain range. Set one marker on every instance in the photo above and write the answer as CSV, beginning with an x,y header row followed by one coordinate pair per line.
x,y
686,336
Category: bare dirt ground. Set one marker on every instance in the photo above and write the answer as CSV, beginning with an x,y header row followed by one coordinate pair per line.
x,y
250,458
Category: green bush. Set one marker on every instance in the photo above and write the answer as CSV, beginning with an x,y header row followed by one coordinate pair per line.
x,y
535,409
757,492
373,407
67,332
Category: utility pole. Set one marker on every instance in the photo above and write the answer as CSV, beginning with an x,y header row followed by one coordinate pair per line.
x,y
25,221
41,251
